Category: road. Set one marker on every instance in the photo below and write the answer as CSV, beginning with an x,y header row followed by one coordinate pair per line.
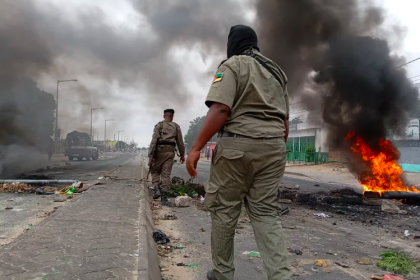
x,y
30,209
350,233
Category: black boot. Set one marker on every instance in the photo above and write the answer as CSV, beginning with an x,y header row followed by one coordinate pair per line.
x,y
157,192
164,200
210,275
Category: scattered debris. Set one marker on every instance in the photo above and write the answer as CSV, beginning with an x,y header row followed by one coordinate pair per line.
x,y
160,237
321,215
169,217
374,277
295,187
16,187
180,264
364,261
176,181
285,201
406,233
193,265
342,265
392,277
139,196
284,211
179,247
133,255
182,201
390,206
295,251
29,227
202,229
42,191
251,253
9,208
321,263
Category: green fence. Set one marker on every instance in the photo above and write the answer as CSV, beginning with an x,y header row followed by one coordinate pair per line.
x,y
307,157
303,151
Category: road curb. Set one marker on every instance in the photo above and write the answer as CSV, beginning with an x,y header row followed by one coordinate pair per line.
x,y
148,266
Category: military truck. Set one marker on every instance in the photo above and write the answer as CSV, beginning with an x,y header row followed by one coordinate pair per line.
x,y
79,145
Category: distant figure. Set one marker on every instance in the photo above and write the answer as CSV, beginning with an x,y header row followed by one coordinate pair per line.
x,y
166,136
51,149
208,154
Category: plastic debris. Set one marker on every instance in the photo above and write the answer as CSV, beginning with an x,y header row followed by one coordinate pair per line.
x,y
321,263
133,255
251,253
28,227
160,237
321,215
392,277
169,217
193,265
179,247
406,233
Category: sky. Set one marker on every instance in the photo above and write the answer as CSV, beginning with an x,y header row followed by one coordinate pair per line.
x,y
136,108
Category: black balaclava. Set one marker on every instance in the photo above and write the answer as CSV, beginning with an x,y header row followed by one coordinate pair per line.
x,y
241,38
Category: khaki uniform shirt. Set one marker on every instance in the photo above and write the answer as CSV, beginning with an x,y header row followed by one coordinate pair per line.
x,y
258,103
167,132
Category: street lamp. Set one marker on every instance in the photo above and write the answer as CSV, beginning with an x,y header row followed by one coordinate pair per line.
x,y
110,120
91,112
56,109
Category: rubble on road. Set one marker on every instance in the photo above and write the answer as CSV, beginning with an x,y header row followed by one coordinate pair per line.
x,y
16,187
182,201
160,237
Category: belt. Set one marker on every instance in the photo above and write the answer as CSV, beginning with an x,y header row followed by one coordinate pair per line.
x,y
226,134
167,143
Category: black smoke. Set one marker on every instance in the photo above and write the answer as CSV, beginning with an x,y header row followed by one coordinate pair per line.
x,y
338,57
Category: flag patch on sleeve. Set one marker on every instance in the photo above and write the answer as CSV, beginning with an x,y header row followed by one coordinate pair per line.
x,y
218,77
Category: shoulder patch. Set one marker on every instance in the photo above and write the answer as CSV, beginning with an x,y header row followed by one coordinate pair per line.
x,y
218,77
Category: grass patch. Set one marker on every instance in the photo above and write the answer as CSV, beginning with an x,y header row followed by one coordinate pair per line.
x,y
399,263
181,190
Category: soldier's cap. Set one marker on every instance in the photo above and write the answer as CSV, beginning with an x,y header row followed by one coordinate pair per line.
x,y
169,111
241,38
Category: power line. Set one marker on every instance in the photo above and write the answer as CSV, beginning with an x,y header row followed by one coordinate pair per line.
x,y
407,63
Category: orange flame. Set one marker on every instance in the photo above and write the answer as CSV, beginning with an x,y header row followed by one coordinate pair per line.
x,y
385,173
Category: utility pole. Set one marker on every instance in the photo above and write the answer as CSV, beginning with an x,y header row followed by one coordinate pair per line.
x,y
91,113
56,112
105,130
119,144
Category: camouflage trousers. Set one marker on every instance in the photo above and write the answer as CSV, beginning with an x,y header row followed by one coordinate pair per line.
x,y
162,166
247,171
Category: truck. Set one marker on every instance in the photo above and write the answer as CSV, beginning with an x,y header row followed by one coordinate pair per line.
x,y
79,145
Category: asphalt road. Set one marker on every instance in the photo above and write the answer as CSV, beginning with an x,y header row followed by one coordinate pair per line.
x,y
306,184
85,169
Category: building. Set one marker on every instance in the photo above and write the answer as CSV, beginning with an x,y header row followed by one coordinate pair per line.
x,y
208,149
307,143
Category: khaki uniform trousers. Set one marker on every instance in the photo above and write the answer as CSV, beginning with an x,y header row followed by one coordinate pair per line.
x,y
247,170
162,166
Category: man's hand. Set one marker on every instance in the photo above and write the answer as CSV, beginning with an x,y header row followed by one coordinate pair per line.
x,y
192,161
182,160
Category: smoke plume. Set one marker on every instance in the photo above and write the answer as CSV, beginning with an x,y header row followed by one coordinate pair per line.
x,y
354,77
116,65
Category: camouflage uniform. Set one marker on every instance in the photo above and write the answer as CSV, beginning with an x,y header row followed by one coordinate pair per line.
x,y
166,136
248,162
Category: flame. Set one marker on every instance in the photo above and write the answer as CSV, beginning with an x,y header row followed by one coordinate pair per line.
x,y
385,173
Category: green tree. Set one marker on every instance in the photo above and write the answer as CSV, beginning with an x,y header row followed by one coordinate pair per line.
x,y
193,130
296,120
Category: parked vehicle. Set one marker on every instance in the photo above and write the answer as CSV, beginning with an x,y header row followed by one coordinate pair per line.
x,y
79,145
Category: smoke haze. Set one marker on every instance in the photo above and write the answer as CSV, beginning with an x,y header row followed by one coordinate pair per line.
x,y
124,67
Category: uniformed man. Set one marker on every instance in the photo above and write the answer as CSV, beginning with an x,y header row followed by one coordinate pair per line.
x,y
166,136
249,108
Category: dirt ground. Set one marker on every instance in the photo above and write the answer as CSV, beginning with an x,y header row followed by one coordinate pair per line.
x,y
349,233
